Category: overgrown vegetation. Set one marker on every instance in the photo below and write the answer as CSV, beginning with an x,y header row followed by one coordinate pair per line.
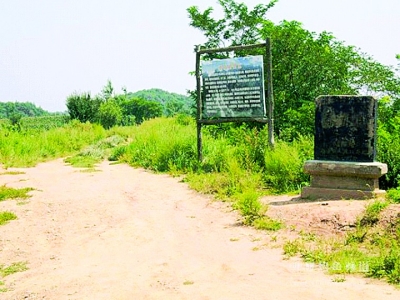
x,y
27,148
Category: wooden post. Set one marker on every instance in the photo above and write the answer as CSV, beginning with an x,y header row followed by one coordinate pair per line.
x,y
270,95
199,107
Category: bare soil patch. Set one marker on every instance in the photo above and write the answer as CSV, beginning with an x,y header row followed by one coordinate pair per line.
x,y
125,233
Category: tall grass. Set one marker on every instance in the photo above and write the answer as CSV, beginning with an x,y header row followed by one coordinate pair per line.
x,y
162,145
284,165
26,148
234,158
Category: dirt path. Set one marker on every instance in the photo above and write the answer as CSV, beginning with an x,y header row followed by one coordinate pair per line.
x,y
124,233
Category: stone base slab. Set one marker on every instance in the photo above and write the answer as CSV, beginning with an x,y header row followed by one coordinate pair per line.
x,y
313,193
343,180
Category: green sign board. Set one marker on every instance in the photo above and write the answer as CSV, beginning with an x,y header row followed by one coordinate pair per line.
x,y
233,88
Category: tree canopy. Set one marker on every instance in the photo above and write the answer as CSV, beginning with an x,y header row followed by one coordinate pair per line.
x,y
305,64
23,109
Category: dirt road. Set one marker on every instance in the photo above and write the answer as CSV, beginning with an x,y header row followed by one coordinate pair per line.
x,y
124,233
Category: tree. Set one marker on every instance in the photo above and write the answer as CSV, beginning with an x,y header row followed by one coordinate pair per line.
x,y
141,109
239,26
108,91
172,103
25,109
305,64
110,113
83,107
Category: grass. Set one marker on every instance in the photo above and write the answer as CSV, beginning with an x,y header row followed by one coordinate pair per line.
x,y
339,279
2,288
393,195
6,216
371,249
13,268
26,148
93,154
12,193
12,173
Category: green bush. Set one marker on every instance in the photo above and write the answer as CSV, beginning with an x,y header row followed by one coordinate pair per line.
x,y
110,114
83,107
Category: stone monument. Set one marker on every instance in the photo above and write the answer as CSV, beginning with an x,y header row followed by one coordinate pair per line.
x,y
344,165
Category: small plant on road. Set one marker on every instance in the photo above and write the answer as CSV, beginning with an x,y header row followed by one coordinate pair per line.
x,y
12,193
13,268
6,216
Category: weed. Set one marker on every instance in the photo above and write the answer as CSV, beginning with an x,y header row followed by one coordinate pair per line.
x,y
2,288
13,268
234,239
12,193
291,248
339,279
266,223
188,282
80,161
307,236
371,216
23,202
393,195
89,170
250,207
6,216
12,173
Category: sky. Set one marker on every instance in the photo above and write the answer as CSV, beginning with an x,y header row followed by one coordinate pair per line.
x,y
51,49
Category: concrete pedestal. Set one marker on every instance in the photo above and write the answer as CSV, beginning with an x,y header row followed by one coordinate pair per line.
x,y
343,180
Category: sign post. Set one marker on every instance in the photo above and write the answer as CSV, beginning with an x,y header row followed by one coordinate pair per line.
x,y
232,90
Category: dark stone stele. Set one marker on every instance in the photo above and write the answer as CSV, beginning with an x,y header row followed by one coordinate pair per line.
x,y
345,128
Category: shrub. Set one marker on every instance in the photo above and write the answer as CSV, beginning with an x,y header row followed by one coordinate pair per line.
x,y
110,114
83,107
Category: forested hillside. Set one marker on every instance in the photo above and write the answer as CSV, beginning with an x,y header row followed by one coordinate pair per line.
x,y
24,109
172,103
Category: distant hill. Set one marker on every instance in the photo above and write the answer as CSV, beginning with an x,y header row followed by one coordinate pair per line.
x,y
25,109
172,103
